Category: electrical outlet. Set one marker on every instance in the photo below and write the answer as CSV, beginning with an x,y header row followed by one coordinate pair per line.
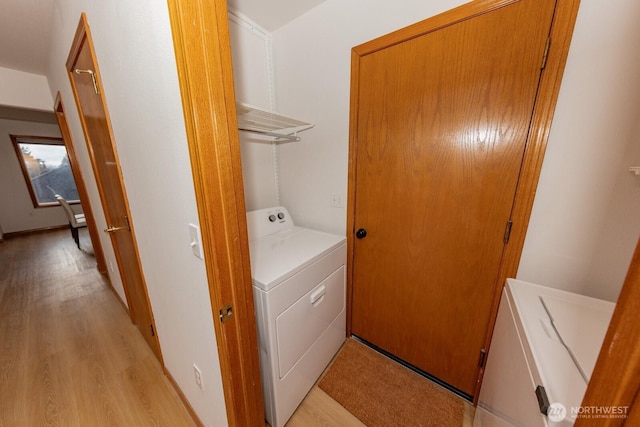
x,y
198,376
337,200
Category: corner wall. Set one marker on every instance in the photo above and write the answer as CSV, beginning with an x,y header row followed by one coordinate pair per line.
x,y
24,90
253,79
137,64
619,235
598,109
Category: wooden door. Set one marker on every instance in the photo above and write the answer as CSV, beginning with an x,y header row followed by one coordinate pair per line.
x,y
442,124
82,189
85,80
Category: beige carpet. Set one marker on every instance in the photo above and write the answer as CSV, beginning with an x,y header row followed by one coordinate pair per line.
x,y
381,392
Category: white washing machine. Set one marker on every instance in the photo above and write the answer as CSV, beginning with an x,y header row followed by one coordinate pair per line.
x,y
543,350
300,297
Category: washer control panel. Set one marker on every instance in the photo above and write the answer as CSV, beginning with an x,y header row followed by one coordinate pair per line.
x,y
267,221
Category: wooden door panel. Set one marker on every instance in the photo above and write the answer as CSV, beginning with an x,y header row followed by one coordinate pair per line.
x,y
101,147
443,119
85,81
82,189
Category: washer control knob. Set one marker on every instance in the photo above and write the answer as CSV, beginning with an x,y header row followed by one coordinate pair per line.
x,y
272,218
361,233
280,215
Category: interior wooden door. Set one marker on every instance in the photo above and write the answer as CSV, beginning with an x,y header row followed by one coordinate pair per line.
x,y
85,81
442,124
82,189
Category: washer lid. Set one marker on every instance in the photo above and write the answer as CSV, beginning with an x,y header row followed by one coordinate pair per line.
x,y
561,330
574,318
278,256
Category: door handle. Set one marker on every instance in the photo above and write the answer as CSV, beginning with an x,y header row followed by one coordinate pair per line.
x,y
114,229
317,295
93,78
361,233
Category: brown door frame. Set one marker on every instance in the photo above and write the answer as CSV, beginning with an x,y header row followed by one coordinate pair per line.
x,y
58,109
203,56
551,77
82,36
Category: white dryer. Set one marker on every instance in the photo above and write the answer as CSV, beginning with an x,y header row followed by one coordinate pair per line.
x,y
299,292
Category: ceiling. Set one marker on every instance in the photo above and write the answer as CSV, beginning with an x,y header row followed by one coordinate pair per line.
x,y
272,14
25,26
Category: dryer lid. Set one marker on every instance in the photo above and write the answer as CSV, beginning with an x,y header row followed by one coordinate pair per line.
x,y
278,256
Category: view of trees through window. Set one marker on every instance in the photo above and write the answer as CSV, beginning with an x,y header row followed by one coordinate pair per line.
x,y
46,168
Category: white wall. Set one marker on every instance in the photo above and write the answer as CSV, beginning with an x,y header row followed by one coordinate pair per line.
x,y
16,208
138,70
252,72
24,90
30,91
619,235
598,109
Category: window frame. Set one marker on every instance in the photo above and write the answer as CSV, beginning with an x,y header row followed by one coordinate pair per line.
x,y
44,140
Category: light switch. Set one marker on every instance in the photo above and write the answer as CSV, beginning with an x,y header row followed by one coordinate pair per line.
x,y
196,241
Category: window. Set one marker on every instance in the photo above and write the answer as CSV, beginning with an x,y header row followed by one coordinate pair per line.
x,y
46,169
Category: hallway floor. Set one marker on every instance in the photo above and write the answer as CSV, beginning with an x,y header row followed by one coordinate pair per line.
x,y
69,355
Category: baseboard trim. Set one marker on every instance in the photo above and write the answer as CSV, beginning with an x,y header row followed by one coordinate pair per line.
x,y
122,303
183,398
12,234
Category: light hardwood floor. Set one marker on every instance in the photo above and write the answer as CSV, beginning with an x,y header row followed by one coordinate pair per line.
x,y
69,356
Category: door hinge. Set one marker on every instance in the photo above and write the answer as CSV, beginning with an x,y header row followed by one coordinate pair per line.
x,y
546,53
483,357
226,313
507,232
153,333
